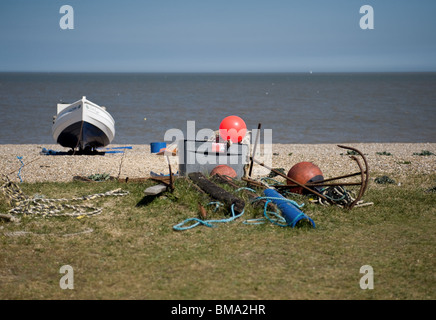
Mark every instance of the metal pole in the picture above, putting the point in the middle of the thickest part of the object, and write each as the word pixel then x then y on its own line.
pixel 254 149
pixel 296 182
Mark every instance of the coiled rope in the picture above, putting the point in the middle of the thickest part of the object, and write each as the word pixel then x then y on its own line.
pixel 338 195
pixel 52 207
pixel 341 197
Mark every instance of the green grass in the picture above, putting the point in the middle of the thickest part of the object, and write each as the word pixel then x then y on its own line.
pixel 134 253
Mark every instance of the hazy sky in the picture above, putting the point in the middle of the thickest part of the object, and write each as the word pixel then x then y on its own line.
pixel 217 36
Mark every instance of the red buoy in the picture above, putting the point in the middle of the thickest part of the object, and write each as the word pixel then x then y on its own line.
pixel 304 172
pixel 232 128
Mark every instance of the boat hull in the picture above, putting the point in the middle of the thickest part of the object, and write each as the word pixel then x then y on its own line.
pixel 91 136
pixel 83 125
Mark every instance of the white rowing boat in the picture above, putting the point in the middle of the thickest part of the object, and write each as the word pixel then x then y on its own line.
pixel 83 125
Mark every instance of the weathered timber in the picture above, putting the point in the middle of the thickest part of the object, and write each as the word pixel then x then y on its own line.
pixel 252 195
pixel 217 192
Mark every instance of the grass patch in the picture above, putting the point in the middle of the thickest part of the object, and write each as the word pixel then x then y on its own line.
pixel 350 153
pixel 133 252
pixel 384 153
pixel 423 153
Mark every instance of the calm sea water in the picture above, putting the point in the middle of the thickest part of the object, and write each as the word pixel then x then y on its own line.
pixel 299 108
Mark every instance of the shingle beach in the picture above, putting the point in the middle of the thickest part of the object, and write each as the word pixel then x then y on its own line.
pixel 396 159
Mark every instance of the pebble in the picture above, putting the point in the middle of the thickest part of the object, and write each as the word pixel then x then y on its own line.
pixel 138 162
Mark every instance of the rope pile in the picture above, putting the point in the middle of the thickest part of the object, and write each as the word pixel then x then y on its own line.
pixel 340 196
pixel 24 205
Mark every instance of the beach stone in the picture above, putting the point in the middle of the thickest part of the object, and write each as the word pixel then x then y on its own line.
pixel 138 161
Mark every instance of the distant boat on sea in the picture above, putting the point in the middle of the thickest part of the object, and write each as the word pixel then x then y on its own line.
pixel 83 125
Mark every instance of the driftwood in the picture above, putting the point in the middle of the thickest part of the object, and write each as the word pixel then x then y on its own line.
pixel 217 192
pixel 252 195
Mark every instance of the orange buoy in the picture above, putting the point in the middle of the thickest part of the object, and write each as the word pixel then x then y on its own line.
pixel 304 172
pixel 224 170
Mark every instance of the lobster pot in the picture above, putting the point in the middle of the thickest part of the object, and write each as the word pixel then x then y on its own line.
pixel 203 156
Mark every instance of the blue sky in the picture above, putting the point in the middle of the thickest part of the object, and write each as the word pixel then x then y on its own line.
pixel 217 36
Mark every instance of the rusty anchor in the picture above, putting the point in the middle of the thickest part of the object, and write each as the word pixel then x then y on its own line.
pixel 330 182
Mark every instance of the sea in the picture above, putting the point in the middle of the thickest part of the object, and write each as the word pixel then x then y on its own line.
pixel 309 108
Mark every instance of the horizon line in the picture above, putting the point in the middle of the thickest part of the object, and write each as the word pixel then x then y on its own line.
pixel 218 72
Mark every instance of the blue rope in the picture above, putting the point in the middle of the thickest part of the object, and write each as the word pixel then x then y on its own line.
pixel 217 205
pixel 245 188
pixel 279 220
pixel 207 223
pixel 278 217
pixel 19 171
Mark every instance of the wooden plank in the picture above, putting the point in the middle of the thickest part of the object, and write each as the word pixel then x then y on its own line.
pixel 217 192
pixel 154 190
pixel 253 195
